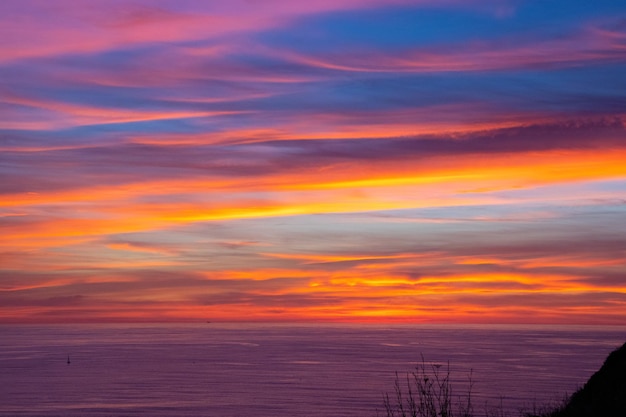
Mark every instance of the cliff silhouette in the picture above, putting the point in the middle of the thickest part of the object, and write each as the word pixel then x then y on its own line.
pixel 427 393
pixel 604 394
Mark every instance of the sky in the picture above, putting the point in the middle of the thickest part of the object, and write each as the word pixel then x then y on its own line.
pixel 423 161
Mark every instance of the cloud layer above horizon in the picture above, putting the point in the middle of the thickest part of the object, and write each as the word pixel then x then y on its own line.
pixel 420 161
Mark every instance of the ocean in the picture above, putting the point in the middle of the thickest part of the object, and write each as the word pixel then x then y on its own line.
pixel 280 370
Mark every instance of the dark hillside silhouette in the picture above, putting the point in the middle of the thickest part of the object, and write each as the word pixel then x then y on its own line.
pixel 604 395
pixel 426 392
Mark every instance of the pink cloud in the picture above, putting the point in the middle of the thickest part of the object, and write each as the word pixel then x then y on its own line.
pixel 591 45
pixel 41 28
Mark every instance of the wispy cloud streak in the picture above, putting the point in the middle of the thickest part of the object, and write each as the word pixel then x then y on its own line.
pixel 331 160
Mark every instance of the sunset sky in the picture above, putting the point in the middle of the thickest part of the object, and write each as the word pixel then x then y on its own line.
pixel 422 161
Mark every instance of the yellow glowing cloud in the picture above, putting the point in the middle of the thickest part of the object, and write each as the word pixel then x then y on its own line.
pixel 343 189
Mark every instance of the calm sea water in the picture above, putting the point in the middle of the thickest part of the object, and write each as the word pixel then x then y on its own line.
pixel 261 370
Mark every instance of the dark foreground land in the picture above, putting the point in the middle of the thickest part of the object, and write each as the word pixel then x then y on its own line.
pixel 427 393
pixel 604 395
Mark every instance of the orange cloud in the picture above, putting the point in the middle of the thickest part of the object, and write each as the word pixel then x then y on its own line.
pixel 343 189
pixel 224 161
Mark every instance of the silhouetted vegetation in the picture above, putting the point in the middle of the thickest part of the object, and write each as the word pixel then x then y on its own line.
pixel 427 392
